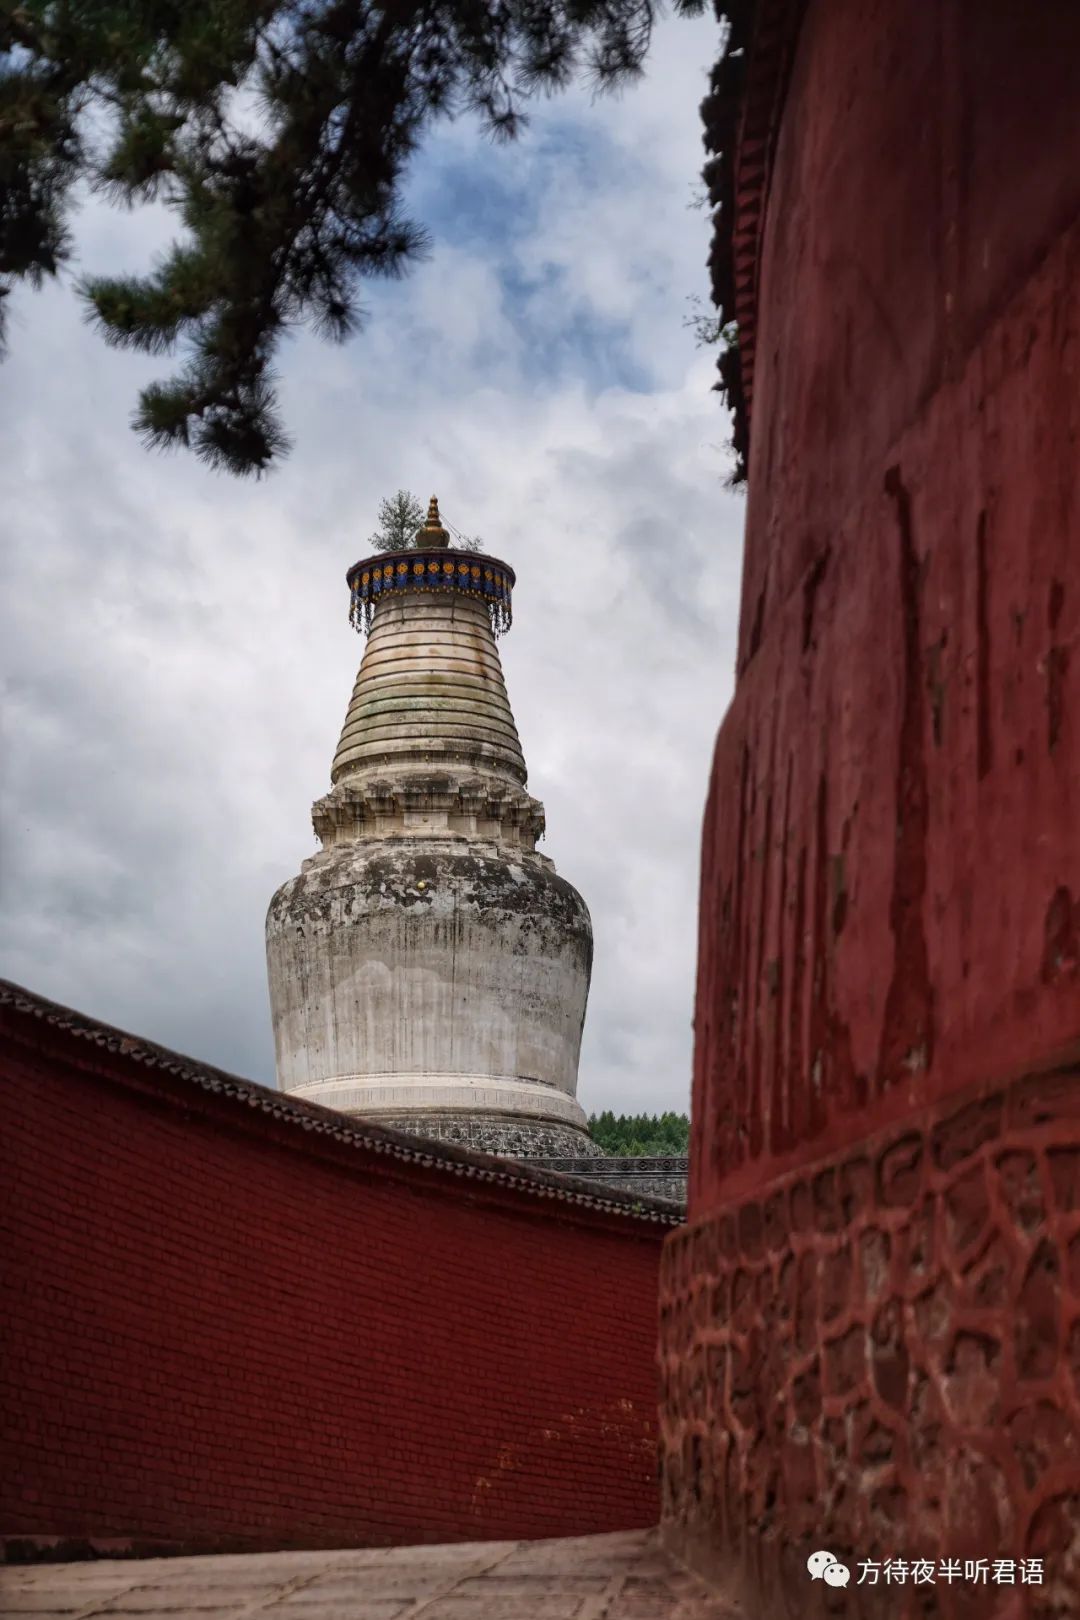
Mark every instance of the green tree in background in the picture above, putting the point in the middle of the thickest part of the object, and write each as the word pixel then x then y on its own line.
pixel 641 1135
pixel 278 132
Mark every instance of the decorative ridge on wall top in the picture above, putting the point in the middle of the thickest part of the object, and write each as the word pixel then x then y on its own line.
pixel 741 115
pixel 452 1160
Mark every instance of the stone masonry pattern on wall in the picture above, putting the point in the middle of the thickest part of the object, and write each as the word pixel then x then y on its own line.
pixel 881 1357
pixel 503 1136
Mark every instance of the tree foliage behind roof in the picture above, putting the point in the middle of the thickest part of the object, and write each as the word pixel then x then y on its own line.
pixel 281 218
pixel 638 1136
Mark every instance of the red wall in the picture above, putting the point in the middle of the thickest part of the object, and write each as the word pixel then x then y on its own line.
pixel 870 1327
pixel 222 1330
pixel 890 898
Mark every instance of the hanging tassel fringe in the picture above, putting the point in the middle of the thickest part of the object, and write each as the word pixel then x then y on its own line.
pixel 464 572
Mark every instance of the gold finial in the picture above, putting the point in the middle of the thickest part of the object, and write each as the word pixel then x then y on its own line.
pixel 433 533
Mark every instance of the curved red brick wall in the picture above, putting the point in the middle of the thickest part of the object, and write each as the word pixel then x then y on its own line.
pixel 224 1329
pixel 871 1326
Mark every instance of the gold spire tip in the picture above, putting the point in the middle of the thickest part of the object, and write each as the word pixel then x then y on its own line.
pixel 433 532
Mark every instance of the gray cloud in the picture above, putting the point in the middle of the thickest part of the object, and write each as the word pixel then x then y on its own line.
pixel 178 653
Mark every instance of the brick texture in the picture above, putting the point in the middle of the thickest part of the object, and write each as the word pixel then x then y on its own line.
pixel 223 1331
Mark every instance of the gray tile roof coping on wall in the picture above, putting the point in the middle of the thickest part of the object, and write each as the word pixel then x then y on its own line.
pixel 438 1156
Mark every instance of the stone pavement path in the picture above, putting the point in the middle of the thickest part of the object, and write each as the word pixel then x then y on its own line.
pixel 619 1577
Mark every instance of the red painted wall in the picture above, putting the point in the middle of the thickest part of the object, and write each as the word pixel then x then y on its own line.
pixel 221 1330
pixel 870 1327
pixel 890 897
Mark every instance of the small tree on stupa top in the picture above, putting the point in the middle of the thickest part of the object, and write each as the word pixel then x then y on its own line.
pixel 400 516
pixel 400 527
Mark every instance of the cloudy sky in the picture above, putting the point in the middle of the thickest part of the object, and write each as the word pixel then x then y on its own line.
pixel 178 655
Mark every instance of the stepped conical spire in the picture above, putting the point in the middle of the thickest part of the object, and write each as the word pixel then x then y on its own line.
pixel 430 692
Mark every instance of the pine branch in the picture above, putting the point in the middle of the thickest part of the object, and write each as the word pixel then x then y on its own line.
pixel 281 225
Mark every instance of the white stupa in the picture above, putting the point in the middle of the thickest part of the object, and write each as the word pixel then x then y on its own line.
pixel 428 968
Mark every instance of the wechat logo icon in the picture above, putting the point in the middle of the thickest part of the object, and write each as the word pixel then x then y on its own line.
pixel 824 1566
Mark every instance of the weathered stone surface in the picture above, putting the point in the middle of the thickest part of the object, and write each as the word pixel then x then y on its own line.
pixel 430 688
pixel 617 1577
pixel 920 1394
pixel 434 976
pixel 551 1147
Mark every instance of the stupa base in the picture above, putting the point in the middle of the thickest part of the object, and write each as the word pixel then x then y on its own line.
pixel 505 1137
